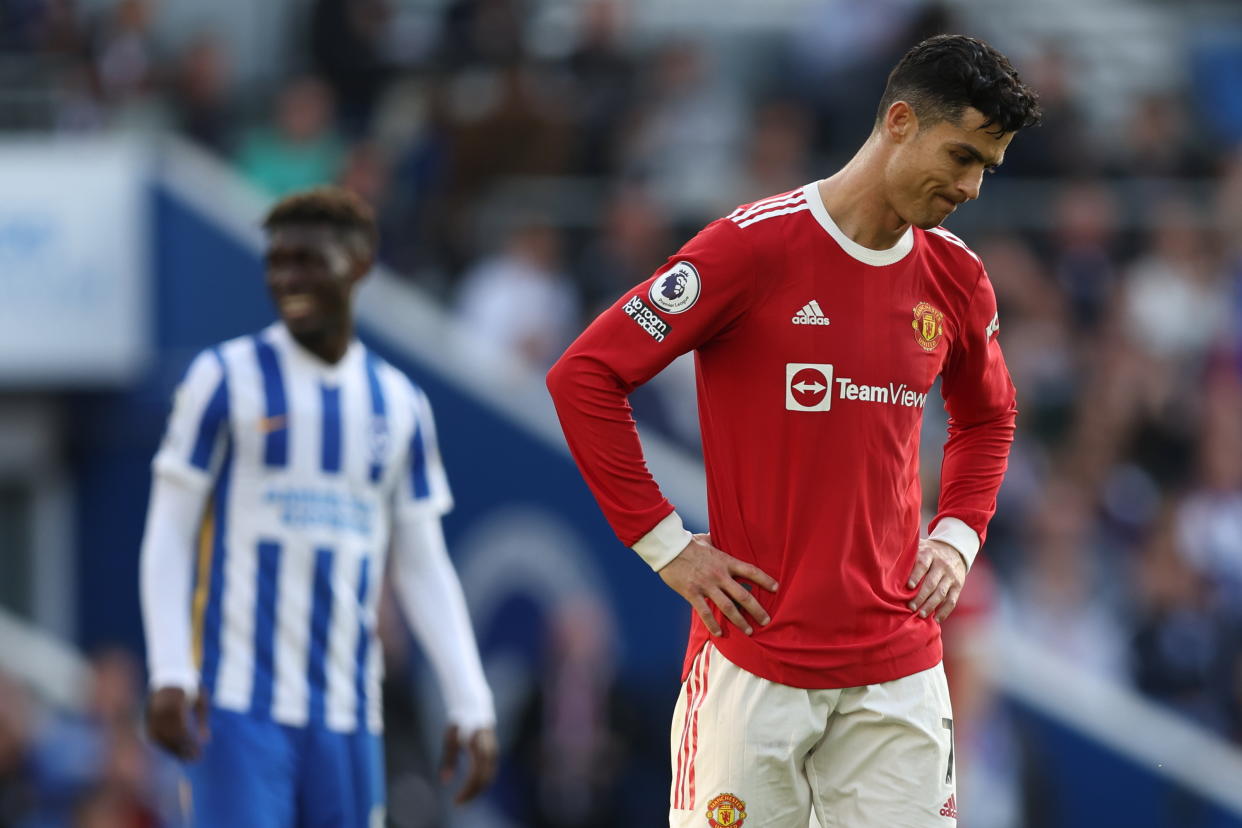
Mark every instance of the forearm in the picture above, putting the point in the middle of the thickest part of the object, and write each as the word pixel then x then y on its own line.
pixel 430 594
pixel 165 578
pixel 591 402
pixel 975 459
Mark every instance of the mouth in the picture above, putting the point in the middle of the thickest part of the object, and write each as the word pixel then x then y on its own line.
pixel 952 205
pixel 296 305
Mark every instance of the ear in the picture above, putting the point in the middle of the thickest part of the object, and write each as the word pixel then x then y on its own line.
pixel 900 122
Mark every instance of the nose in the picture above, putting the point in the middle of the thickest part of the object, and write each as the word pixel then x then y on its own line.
pixel 970 184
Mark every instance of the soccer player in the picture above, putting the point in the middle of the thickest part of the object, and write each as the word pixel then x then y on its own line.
pixel 820 319
pixel 294 460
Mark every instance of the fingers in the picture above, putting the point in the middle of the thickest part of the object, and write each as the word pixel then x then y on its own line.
pixel 722 600
pixel 482 766
pixel 950 603
pixel 448 755
pixel 742 597
pixel 922 563
pixel 753 574
pixel 935 593
pixel 706 616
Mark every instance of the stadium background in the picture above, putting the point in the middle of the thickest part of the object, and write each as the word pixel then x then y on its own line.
pixel 529 161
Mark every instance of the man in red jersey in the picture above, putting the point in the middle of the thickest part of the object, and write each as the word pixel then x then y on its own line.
pixel 820 319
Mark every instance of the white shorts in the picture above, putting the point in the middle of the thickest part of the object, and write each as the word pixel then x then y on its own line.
pixel 751 753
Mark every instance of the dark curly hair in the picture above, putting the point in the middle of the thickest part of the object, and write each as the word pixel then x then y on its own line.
pixel 945 74
pixel 335 207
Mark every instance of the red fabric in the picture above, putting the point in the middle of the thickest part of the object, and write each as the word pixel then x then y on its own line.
pixel 826 502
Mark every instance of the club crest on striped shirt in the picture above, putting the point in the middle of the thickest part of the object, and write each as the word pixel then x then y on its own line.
pixel 676 289
pixel 726 811
pixel 928 326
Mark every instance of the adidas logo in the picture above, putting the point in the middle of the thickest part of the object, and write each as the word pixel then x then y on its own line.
pixel 949 809
pixel 810 315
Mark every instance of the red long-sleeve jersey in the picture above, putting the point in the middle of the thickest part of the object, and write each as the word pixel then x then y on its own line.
pixel 814 358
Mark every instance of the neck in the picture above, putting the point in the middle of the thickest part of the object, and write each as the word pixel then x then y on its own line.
pixel 854 196
pixel 329 345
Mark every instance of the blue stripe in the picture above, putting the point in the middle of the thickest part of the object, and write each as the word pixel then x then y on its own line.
pixel 321 622
pixel 330 455
pixel 265 629
pixel 215 592
pixel 378 418
pixel 276 439
pixel 418 466
pixel 364 643
pixel 214 415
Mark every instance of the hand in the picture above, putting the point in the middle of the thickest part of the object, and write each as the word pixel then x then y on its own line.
pixel 168 722
pixel 701 572
pixel 482 750
pixel 943 572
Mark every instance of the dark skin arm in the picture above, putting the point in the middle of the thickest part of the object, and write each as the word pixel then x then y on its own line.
pixel 177 724
pixel 481 752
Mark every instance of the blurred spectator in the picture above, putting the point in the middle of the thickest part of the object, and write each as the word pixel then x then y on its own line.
pixel 16 723
pixel 92 767
pixel 301 149
pixel 603 74
pixel 519 303
pixel 632 241
pixel 1083 250
pixel 1179 655
pixel 346 48
pixel 126 59
pixel 687 134
pixel 201 94
pixel 1060 599
pixel 1060 146
pixel 1159 141
pixel 573 736
pixel 777 158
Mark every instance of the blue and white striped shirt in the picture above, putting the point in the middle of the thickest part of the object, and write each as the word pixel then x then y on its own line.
pixel 307 466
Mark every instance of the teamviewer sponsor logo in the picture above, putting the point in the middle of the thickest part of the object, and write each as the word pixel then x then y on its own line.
pixel 646 318
pixel 808 386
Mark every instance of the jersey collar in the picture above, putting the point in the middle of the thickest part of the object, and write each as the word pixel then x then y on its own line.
pixel 279 336
pixel 855 250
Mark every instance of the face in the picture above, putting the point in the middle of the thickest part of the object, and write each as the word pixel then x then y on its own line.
pixel 934 168
pixel 310 276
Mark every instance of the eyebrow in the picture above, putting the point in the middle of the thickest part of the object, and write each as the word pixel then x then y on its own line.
pixel 975 154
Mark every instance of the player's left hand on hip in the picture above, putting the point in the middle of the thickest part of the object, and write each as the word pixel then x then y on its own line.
pixel 481 751
pixel 939 572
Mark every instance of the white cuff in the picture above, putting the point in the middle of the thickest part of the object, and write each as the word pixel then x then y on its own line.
pixel 183 681
pixel 961 537
pixel 663 543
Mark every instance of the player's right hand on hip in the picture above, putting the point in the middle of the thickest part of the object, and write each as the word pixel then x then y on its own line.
pixel 701 573
pixel 175 723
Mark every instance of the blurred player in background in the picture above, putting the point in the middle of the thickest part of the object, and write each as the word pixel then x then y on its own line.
pixel 294 460
pixel 820 319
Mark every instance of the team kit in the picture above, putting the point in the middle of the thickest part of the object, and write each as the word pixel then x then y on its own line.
pixel 820 320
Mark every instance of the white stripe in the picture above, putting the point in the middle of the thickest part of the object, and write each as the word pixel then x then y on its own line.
pixel 340 698
pixel 774 213
pixel 375 675
pixel 290 690
pixel 815 307
pixel 236 676
pixel 768 205
pixel 949 237
pixel 760 204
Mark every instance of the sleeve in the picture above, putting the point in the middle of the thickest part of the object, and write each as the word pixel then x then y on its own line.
pixel 184 469
pixel 165 578
pixel 981 402
pixel 422 486
pixel 430 595
pixel 198 424
pixel 696 296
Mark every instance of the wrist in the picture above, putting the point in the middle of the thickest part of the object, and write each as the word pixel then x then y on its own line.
pixel 664 542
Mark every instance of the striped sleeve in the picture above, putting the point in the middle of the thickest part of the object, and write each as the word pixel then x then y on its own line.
pixel 198 424
pixel 422 486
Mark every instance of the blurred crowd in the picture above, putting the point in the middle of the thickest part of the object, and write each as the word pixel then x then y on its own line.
pixel 526 181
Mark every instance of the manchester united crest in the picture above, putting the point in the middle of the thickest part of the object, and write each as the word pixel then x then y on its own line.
pixel 726 811
pixel 928 326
